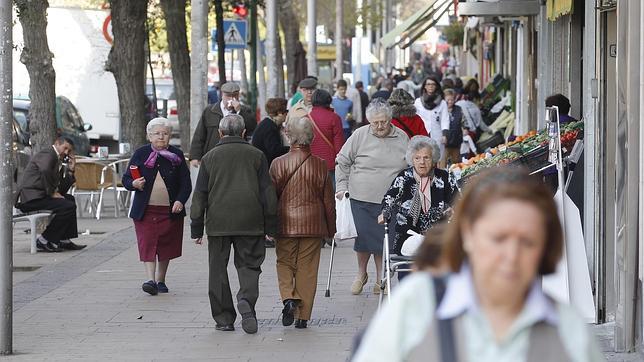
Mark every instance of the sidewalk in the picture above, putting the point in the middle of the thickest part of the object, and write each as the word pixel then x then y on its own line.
pixel 88 305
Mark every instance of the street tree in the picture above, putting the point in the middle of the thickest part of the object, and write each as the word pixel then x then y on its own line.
pixel 126 61
pixel 37 57
pixel 175 19
pixel 221 45
pixel 289 20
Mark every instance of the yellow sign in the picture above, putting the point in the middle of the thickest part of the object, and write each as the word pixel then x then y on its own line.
pixel 325 52
pixel 557 8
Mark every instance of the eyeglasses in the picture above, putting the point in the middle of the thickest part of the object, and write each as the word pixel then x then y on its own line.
pixel 380 124
pixel 159 134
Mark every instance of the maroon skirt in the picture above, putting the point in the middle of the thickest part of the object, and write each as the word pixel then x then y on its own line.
pixel 158 234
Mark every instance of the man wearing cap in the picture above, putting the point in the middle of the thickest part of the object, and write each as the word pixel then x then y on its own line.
pixel 206 135
pixel 303 106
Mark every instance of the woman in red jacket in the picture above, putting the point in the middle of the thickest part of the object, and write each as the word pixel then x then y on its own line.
pixel 404 114
pixel 327 129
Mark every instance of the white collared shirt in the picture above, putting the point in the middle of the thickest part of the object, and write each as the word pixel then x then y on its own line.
pixel 402 324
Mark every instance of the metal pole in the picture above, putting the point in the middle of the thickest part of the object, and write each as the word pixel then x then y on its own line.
pixel 261 82
pixel 252 93
pixel 357 75
pixel 198 61
pixel 312 53
pixel 6 182
pixel 271 49
pixel 339 16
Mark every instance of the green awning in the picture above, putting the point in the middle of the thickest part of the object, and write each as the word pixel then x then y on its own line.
pixel 416 25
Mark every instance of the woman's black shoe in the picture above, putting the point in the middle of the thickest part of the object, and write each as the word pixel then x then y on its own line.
pixel 300 324
pixel 288 313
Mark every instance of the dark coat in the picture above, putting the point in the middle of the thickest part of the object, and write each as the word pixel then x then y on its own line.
pixel 176 178
pixel 400 204
pixel 268 139
pixel 207 132
pixel 42 177
pixel 234 191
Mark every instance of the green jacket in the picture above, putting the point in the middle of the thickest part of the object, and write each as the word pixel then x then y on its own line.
pixel 206 134
pixel 234 192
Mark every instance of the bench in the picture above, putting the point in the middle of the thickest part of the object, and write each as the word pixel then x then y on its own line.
pixel 33 217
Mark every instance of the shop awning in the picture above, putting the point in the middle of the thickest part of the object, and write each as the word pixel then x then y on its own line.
pixel 557 8
pixel 416 25
pixel 499 8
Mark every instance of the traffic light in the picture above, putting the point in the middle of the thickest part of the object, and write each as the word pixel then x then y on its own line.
pixel 240 10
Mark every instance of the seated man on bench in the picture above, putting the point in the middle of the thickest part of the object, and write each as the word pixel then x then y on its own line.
pixel 44 186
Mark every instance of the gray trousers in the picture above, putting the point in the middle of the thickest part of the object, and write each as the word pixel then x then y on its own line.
pixel 249 256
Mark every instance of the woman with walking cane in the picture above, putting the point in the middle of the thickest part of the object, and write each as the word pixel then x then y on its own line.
pixel 307 214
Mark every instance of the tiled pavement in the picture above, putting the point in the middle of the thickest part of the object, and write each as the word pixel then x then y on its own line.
pixel 88 305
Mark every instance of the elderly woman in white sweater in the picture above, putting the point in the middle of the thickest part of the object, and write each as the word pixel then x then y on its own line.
pixel 365 167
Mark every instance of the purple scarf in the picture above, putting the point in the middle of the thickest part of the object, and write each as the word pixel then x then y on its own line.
pixel 172 157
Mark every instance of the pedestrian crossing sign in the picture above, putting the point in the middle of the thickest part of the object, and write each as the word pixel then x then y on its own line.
pixel 235 35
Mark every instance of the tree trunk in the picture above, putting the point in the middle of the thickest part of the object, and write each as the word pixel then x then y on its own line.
pixel 271 49
pixel 279 62
pixel 221 45
pixel 291 28
pixel 175 19
pixel 126 62
pixel 37 57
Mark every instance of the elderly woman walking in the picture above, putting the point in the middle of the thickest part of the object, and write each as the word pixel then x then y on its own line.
pixel 421 194
pixel 404 114
pixel 159 175
pixel 306 214
pixel 368 162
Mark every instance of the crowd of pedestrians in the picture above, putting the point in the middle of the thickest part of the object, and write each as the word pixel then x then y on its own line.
pixel 478 275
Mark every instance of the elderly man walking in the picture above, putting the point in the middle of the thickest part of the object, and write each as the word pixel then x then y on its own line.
pixel 235 192
pixel 206 136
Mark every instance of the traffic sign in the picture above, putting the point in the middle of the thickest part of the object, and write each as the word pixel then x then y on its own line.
pixel 235 35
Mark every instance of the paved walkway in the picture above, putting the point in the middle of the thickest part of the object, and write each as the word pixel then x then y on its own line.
pixel 88 305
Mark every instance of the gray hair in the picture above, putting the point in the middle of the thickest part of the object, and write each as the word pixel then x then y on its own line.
pixel 417 143
pixel 378 107
pixel 300 131
pixel 232 125
pixel 157 122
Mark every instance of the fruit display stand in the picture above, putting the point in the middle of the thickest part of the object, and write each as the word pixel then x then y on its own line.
pixel 555 149
pixel 529 150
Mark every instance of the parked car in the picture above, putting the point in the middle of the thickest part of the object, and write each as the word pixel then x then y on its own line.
pixel 69 123
pixel 21 150
pixel 165 94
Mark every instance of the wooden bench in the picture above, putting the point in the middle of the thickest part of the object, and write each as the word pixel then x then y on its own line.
pixel 33 217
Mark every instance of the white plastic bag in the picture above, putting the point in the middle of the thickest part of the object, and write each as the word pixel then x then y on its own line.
pixel 346 228
pixel 411 245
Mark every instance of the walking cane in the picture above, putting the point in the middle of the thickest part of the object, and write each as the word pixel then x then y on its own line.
pixel 328 282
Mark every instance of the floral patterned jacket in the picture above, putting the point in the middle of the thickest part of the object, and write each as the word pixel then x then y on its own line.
pixel 402 201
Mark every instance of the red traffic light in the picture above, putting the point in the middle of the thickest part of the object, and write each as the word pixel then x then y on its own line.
pixel 240 10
